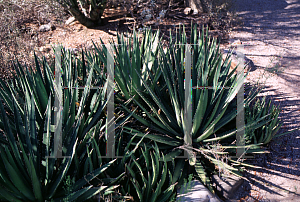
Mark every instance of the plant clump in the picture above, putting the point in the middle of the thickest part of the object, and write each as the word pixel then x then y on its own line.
pixel 163 130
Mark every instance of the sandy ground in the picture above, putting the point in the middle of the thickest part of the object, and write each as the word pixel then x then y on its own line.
pixel 271 38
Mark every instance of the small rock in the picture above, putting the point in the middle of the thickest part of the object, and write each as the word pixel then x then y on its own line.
pixel 46 28
pixel 145 12
pixel 162 14
pixel 195 12
pixel 236 42
pixel 187 11
pixel 79 28
pixel 148 17
pixel 235 60
pixel 45 49
pixel 197 192
pixel 70 20
pixel 73 23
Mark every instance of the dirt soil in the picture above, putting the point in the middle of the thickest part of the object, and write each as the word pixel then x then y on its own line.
pixel 77 36
pixel 271 39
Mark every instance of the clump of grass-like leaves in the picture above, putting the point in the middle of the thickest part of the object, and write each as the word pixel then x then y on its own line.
pixel 152 127
pixel 154 76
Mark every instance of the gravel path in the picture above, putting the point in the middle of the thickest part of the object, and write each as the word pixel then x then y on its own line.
pixel 271 31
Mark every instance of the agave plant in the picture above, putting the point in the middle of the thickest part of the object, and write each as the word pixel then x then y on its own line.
pixel 146 177
pixel 133 58
pixel 149 181
pixel 267 132
pixel 27 140
pixel 42 176
pixel 160 97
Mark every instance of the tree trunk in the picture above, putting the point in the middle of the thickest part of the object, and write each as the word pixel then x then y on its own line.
pixel 87 13
pixel 82 19
pixel 195 5
pixel 199 5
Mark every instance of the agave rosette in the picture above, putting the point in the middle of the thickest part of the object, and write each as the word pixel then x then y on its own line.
pixel 213 108
pixel 27 121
